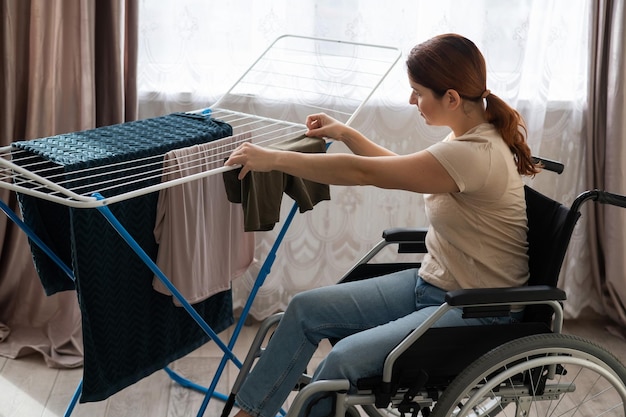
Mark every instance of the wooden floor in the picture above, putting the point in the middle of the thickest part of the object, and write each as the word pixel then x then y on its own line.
pixel 28 388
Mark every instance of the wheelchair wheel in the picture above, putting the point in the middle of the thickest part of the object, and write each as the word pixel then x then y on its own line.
pixel 542 375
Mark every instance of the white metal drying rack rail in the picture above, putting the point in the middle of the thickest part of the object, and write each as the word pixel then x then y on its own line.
pixel 295 76
pixel 33 179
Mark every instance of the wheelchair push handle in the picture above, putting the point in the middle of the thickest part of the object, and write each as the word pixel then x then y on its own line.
pixel 605 197
pixel 549 164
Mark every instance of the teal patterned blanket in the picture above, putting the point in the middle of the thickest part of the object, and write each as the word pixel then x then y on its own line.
pixel 129 330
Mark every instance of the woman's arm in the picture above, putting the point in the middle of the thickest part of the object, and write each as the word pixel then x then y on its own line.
pixel 419 172
pixel 322 125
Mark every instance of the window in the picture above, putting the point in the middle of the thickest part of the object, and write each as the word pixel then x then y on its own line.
pixel 194 50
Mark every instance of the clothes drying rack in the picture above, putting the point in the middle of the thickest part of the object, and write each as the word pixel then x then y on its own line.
pixel 294 77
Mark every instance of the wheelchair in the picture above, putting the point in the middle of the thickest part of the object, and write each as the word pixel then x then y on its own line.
pixel 523 369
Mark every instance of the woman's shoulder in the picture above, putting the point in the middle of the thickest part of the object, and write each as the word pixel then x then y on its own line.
pixel 484 132
pixel 477 140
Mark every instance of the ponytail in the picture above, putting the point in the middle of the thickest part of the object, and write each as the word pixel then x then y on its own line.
pixel 511 127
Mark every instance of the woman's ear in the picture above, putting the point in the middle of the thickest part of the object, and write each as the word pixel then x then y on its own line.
pixel 452 99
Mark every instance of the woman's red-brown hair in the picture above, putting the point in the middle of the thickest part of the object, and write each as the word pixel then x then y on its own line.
pixel 451 61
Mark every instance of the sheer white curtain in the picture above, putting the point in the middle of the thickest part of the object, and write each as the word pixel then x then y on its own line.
pixel 192 51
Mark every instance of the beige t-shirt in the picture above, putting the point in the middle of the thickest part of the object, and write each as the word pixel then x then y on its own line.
pixel 477 237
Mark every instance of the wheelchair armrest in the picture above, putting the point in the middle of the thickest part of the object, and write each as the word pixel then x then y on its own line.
pixel 405 234
pixel 517 295
pixel 409 240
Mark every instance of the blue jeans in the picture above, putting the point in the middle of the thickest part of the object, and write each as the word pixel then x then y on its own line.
pixel 370 316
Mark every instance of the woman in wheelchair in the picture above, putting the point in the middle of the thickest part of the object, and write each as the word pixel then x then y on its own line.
pixel 474 198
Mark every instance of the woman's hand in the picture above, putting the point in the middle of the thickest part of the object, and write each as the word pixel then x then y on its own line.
pixel 323 126
pixel 251 158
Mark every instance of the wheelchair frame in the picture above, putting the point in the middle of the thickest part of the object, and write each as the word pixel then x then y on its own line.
pixel 524 367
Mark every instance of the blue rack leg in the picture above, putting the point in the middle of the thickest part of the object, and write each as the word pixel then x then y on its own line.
pixel 68 271
pixel 74 400
pixel 259 281
pixel 186 383
pixel 132 243
pixel 35 239
pixel 263 273
pixel 210 392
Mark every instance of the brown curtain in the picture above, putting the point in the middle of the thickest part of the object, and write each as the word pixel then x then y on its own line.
pixel 67 65
pixel 606 154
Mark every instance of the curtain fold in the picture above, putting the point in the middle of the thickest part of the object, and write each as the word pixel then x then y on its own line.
pixel 67 66
pixel 115 54
pixel 606 156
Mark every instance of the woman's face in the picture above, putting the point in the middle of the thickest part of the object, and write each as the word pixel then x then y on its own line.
pixel 430 106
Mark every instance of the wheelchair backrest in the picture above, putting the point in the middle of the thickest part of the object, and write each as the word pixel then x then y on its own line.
pixel 550 227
